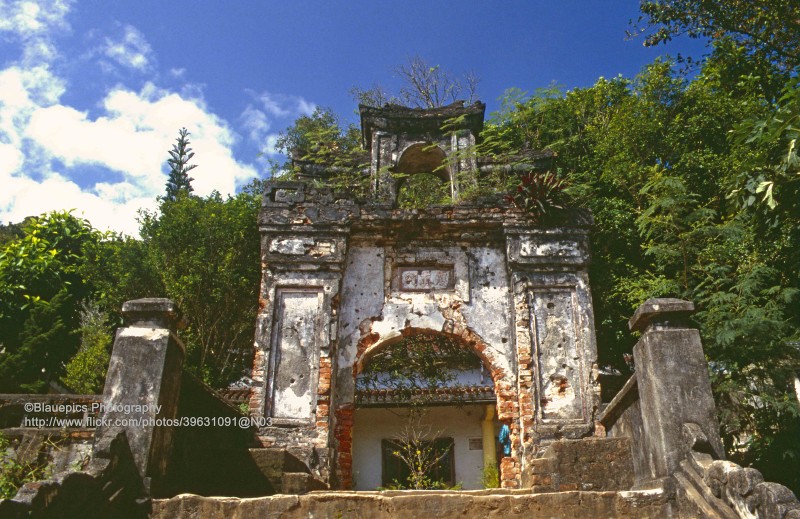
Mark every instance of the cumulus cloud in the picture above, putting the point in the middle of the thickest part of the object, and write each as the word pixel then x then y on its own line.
pixel 131 50
pixel 132 138
pixel 256 122
pixel 51 152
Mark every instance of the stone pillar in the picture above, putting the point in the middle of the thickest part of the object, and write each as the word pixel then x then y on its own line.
pixel 555 333
pixel 487 428
pixel 674 387
pixel 303 249
pixel 143 385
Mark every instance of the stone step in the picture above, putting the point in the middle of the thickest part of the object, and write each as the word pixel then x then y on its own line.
pixel 410 503
pixel 300 483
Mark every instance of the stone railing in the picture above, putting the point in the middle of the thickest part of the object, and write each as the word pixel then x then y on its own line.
pixel 155 432
pixel 667 411
pixel 711 487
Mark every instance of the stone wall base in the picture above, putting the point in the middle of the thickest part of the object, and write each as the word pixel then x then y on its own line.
pixel 439 504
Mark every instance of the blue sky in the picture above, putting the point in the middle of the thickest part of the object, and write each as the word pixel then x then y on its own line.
pixel 92 93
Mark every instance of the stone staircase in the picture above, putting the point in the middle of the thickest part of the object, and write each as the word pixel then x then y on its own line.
pixel 285 473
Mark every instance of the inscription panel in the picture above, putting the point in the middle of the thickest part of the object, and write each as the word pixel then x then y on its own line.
pixel 426 278
pixel 558 358
pixel 530 248
pixel 547 249
pixel 302 246
pixel 287 195
pixel 295 353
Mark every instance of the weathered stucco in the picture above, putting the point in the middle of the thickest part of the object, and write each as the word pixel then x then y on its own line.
pixel 517 294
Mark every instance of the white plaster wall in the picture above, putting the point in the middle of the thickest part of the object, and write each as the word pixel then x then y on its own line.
pixel 371 425
pixel 489 311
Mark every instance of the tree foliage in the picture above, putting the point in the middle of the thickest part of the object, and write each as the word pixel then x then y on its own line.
pixel 85 373
pixel 319 142
pixel 768 29
pixel 40 286
pixel 206 253
pixel 179 167
pixel 677 213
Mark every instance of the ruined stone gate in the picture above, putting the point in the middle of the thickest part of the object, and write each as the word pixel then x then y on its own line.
pixel 343 279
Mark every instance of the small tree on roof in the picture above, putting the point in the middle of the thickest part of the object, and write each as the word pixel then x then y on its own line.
pixel 180 155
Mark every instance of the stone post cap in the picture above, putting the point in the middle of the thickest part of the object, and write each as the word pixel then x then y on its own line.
pixel 662 310
pixel 153 312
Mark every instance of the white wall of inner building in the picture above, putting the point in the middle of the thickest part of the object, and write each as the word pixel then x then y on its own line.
pixel 371 425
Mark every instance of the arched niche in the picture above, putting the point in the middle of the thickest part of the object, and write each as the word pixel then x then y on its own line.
pixel 423 176
pixel 433 389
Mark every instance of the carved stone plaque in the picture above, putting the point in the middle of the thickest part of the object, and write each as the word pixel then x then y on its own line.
pixel 561 248
pixel 287 195
pixel 301 246
pixel 426 278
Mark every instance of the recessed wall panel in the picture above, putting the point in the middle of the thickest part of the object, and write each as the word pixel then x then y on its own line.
pixel 295 353
pixel 558 357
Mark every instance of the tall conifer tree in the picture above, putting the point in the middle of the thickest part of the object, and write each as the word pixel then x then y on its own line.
pixel 180 155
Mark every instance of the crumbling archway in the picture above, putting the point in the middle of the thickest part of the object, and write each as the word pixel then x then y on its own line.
pixel 501 409
pixel 421 401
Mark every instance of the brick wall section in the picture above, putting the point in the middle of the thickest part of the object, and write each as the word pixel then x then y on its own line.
pixel 343 435
pixel 596 464
pixel 524 358
pixel 258 393
pixel 324 398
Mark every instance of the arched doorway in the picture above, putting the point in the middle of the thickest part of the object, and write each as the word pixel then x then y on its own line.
pixel 423 177
pixel 424 415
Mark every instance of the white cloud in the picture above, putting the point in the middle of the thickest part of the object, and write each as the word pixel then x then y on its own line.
pixel 131 137
pixel 33 24
pixel 51 150
pixel 134 135
pixel 10 159
pixel 271 110
pixel 272 104
pixel 60 193
pixel 304 107
pixel 131 50
pixel 46 145
pixel 29 18
pixel 256 122
pixel 272 143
